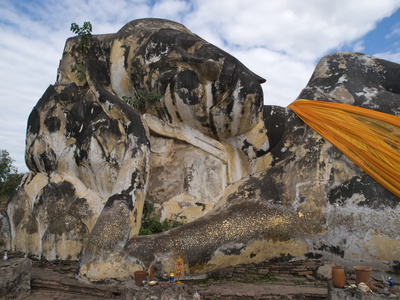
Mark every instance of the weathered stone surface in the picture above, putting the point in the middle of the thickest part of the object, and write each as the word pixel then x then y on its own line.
pixel 185 181
pixel 5 237
pixel 82 159
pixel 253 181
pixel 311 199
pixel 325 271
pixel 15 278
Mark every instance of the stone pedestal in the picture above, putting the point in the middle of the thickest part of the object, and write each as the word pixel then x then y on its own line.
pixel 131 291
pixel 15 278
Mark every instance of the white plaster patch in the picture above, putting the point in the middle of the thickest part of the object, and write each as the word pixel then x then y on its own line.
pixel 108 105
pixel 161 145
pixel 237 141
pixel 355 199
pixel 365 59
pixel 228 247
pixel 265 146
pixel 342 79
pixel 299 185
pixel 209 96
pixel 369 94
pixel 153 58
pixel 236 111
pixel 119 77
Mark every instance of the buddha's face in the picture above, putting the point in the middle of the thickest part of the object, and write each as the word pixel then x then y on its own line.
pixel 202 86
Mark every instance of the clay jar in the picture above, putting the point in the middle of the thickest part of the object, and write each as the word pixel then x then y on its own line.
pixel 338 277
pixel 363 274
pixel 140 276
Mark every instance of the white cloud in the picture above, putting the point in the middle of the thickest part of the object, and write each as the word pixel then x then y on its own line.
pixel 170 9
pixel 285 76
pixel 394 57
pixel 395 31
pixel 281 40
pixel 303 29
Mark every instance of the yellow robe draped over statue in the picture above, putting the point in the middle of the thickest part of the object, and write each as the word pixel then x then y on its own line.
pixel 369 138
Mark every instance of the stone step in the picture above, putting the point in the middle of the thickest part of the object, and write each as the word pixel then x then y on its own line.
pixel 57 281
pixel 249 291
pixel 82 289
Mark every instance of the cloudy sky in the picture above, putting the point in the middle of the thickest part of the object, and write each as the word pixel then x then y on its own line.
pixel 280 40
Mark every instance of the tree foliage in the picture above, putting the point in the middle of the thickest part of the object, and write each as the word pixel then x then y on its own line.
pixel 143 100
pixel 152 225
pixel 9 176
pixel 85 34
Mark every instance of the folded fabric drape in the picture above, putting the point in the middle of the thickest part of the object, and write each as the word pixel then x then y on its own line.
pixel 369 138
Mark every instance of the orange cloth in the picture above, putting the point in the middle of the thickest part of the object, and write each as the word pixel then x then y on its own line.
pixel 369 138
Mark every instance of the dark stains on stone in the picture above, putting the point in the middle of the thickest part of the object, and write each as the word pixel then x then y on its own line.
pixel 187 179
pixel 302 199
pixel 259 186
pixel 376 196
pixel 249 148
pixel 394 266
pixel 390 77
pixel 98 74
pixel 290 133
pixel 201 204
pixel 48 94
pixel 161 43
pixel 126 195
pixel 67 189
pixel 33 122
pixel 136 182
pixel 332 249
pixel 70 94
pixel 127 48
pixel 18 216
pixel 53 124
pixel 31 225
pixel 232 250
pixel 54 203
pixel 80 155
pixel 78 125
pixel 186 84
pixel 80 209
pixel 49 160
pixel 312 255
pixel 283 258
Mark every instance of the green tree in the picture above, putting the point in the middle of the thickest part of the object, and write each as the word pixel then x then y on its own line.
pixel 9 176
pixel 85 34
